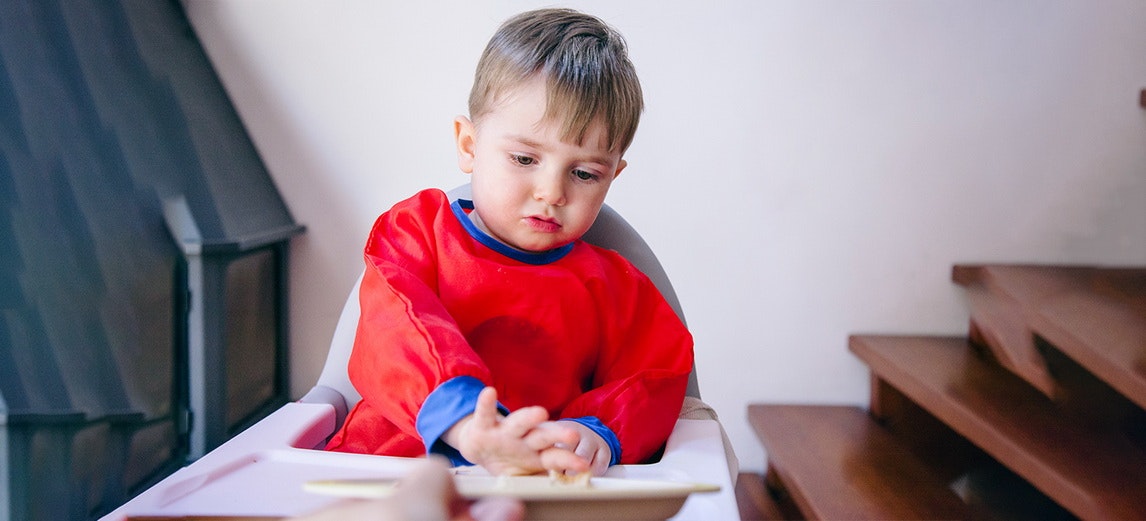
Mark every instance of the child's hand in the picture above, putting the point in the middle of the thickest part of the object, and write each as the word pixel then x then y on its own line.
pixel 591 447
pixel 524 442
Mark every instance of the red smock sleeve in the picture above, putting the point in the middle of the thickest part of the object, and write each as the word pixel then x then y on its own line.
pixel 407 343
pixel 643 366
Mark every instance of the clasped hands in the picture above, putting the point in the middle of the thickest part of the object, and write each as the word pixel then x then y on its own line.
pixel 526 441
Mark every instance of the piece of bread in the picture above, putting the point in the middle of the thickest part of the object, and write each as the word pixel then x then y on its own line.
pixel 575 480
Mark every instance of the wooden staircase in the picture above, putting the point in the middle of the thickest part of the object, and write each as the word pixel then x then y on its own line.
pixel 1039 413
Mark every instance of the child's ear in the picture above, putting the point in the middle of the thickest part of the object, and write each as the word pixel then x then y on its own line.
pixel 464 137
pixel 620 166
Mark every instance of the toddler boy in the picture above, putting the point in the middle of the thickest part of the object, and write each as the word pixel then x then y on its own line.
pixel 490 333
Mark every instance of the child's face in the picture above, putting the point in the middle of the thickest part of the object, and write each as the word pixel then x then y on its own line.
pixel 531 190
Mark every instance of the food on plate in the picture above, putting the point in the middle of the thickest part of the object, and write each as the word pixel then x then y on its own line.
pixel 574 480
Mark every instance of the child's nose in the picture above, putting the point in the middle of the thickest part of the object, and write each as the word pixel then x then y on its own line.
pixel 550 189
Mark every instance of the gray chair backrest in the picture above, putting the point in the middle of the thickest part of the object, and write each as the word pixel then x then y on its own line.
pixel 609 231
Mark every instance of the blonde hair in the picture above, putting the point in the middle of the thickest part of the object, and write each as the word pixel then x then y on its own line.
pixel 585 63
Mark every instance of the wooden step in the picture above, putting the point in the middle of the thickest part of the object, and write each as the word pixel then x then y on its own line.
pixel 1095 316
pixel 1093 472
pixel 835 462
pixel 755 501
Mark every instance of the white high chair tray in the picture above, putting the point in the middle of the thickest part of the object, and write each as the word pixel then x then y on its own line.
pixel 267 483
pixel 263 472
pixel 545 499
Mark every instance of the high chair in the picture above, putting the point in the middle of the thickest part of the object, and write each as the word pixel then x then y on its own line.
pixel 272 460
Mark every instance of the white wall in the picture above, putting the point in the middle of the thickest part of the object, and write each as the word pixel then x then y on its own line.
pixel 805 169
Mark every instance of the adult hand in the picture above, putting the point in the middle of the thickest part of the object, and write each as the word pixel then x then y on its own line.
pixel 427 493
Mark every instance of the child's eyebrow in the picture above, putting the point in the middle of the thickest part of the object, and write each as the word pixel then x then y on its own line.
pixel 532 143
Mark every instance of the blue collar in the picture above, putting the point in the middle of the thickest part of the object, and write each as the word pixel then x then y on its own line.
pixel 536 258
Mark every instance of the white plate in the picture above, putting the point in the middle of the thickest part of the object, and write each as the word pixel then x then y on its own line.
pixel 604 498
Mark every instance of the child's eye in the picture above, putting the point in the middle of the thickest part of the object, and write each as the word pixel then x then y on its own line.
pixel 522 160
pixel 584 176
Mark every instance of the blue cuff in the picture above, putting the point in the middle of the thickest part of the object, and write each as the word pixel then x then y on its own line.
pixel 594 424
pixel 455 399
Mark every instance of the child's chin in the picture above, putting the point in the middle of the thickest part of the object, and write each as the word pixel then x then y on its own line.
pixel 541 247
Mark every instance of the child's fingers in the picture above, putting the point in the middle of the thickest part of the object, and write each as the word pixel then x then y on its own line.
pixel 563 460
pixel 590 446
pixel 597 454
pixel 485 411
pixel 551 434
pixel 522 421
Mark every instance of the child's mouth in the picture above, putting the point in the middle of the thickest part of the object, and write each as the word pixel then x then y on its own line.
pixel 543 224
